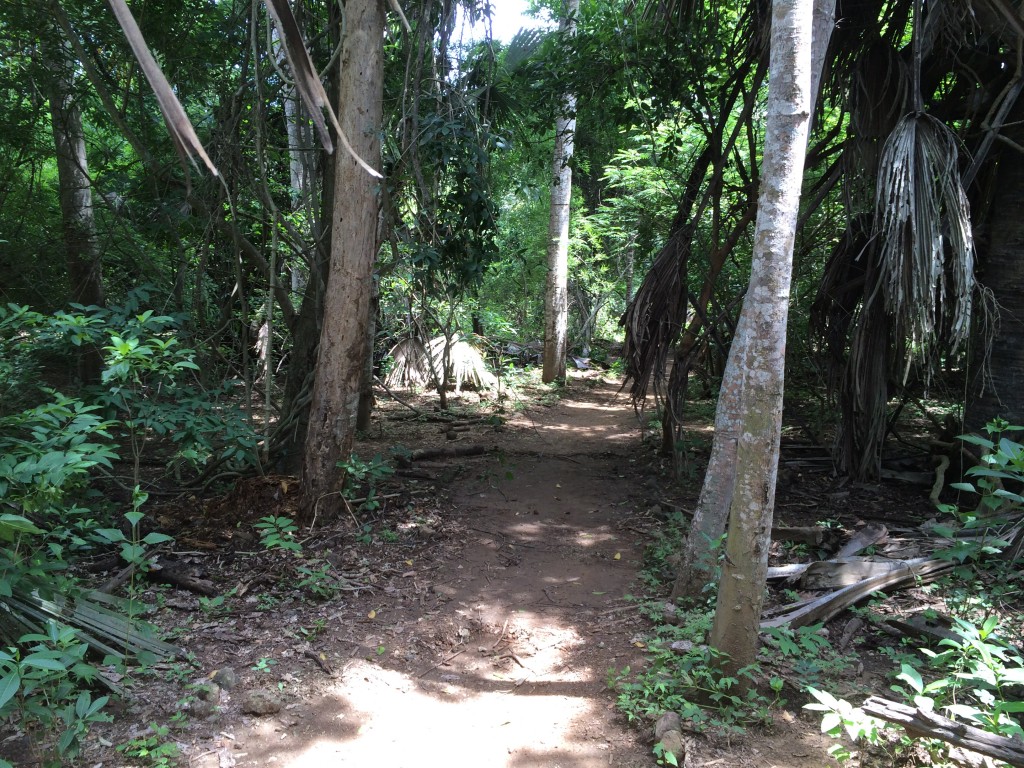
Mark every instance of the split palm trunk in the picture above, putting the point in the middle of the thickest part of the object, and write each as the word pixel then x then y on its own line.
pixel 343 346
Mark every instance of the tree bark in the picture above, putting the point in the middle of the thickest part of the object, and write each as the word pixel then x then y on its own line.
pixel 997 387
pixel 81 247
pixel 755 372
pixel 716 497
pixel 556 294
pixel 343 346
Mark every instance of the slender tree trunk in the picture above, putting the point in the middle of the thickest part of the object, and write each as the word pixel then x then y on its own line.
pixel 365 411
pixel 81 247
pixel 755 372
pixel 555 298
pixel 716 496
pixel 343 346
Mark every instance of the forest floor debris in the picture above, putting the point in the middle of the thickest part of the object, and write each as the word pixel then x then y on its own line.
pixel 471 619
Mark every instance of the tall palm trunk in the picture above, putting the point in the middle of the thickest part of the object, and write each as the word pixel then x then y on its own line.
pixel 81 246
pixel 556 306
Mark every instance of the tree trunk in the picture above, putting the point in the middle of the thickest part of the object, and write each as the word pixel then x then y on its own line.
pixel 343 346
pixel 81 247
pixel 555 297
pixel 365 411
pixel 755 372
pixel 1000 390
pixel 716 496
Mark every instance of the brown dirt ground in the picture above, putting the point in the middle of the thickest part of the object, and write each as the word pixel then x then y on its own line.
pixel 482 611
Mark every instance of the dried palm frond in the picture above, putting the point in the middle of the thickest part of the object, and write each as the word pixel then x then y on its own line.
pixel 921 209
pixel 419 364
pixel 100 621
pixel 655 317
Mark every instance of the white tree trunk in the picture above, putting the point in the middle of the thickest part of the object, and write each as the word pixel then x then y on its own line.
pixel 556 305
pixel 716 496
pixel 755 373
pixel 81 246
pixel 343 346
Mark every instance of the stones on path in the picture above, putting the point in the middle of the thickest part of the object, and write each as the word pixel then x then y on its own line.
pixel 261 703
pixel 668 733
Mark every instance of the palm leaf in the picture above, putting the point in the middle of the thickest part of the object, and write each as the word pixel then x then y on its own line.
pixel 921 211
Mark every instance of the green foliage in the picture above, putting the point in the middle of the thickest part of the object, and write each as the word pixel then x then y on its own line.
pixel 842 717
pixel 47 453
pixel 145 390
pixel 45 682
pixel 132 546
pixel 264 664
pixel 690 683
pixel 978 679
pixel 278 533
pixel 361 479
pixel 810 659
pixel 318 580
pixel 153 749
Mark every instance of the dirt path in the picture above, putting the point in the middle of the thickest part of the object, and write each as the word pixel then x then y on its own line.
pixel 504 664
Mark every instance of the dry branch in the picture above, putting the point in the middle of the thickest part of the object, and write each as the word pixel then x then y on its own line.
pixel 448 452
pixel 823 608
pixel 930 725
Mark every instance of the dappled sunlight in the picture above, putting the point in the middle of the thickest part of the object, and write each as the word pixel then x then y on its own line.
pixel 379 716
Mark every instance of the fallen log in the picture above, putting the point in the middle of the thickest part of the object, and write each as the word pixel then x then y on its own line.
pixel 448 452
pixel 932 726
pixel 823 608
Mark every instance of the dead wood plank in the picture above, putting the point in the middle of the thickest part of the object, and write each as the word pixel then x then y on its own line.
pixel 824 608
pixel 921 627
pixel 869 535
pixel 182 580
pixel 829 574
pixel 933 726
pixel 790 571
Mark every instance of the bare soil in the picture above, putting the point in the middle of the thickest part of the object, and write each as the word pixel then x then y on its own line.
pixel 480 610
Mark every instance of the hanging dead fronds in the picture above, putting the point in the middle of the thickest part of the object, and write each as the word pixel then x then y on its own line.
pixel 655 317
pixel 921 213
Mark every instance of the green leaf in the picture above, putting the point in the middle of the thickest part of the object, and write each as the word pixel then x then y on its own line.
pixel 912 677
pixel 831 722
pixel 156 538
pixel 113 535
pixel 42 661
pixel 10 523
pixel 977 440
pixel 9 685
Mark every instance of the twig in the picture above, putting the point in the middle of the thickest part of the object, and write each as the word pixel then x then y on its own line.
pixel 501 636
pixel 441 663
pixel 397 399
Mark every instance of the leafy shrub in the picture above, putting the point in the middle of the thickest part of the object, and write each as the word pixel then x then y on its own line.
pixel 43 683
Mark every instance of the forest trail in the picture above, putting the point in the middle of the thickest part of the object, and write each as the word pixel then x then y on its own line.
pixel 506 662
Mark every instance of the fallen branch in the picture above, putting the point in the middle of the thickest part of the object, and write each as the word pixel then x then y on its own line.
pixel 820 609
pixel 930 725
pixel 448 452
pixel 397 399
